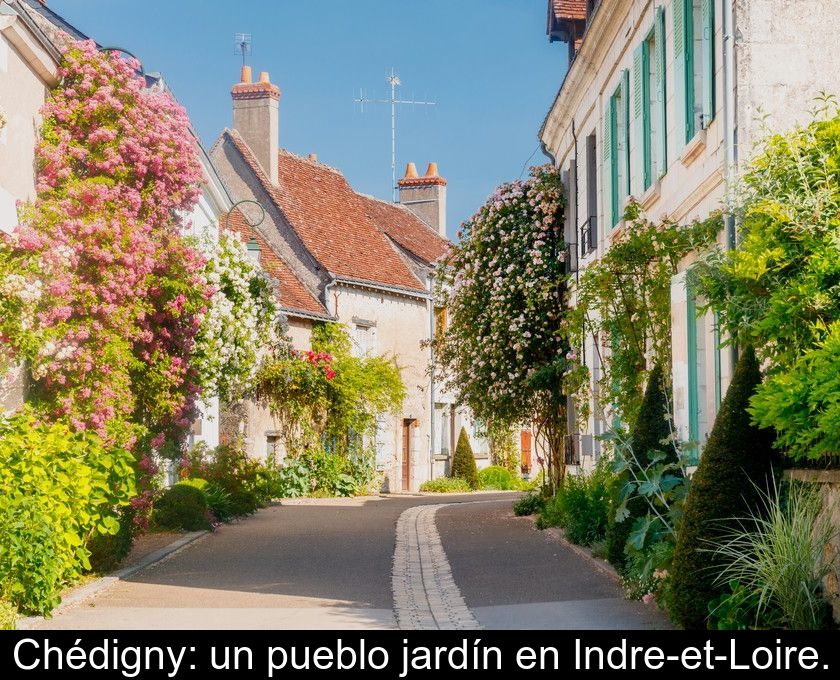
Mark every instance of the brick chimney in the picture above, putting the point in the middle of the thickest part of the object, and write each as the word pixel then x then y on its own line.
pixel 425 196
pixel 256 116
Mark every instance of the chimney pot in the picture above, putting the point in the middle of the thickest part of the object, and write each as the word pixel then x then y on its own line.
pixel 264 77
pixel 432 170
pixel 410 171
pixel 246 74
pixel 313 157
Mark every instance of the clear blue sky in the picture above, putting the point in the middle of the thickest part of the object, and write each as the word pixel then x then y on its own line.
pixel 487 62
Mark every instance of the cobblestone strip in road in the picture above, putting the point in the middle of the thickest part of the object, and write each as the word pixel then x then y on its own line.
pixel 425 594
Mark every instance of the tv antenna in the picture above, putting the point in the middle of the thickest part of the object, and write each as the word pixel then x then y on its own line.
pixel 394 81
pixel 242 45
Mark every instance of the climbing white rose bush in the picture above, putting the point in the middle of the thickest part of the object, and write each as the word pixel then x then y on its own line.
pixel 243 318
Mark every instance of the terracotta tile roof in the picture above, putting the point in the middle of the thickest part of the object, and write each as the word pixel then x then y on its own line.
pixel 569 9
pixel 294 296
pixel 406 229
pixel 330 219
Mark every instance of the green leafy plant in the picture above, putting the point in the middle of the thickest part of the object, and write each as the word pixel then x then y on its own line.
pixel 642 466
pixel 736 463
pixel 108 550
pixel 779 290
pixel 777 551
pixel 293 479
pixel 219 501
pixel 463 462
pixel 182 506
pixel 739 608
pixel 8 615
pixel 530 504
pixel 498 478
pixel 446 485
pixel 59 488
pixel 581 505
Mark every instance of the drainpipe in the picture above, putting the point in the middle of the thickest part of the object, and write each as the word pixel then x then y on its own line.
pixel 328 303
pixel 431 378
pixel 729 123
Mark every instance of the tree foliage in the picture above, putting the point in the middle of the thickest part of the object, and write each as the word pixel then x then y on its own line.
pixel 463 462
pixel 779 290
pixel 505 284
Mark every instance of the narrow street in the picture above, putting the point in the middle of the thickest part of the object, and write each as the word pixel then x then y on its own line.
pixel 413 562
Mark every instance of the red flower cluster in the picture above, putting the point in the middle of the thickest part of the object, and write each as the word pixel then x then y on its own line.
pixel 322 360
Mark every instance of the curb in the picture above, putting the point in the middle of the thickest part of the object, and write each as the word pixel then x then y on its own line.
pixel 88 590
pixel 604 567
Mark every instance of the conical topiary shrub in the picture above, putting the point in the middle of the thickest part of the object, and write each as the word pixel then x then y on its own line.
pixel 738 457
pixel 463 462
pixel 646 436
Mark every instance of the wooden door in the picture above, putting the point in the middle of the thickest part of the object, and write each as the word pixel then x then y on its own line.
pixel 525 449
pixel 406 456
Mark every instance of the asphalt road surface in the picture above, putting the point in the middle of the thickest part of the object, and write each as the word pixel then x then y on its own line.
pixel 327 563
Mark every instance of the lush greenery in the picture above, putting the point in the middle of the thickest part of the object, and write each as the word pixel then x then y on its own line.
pixel 182 507
pixel 463 462
pixel 779 290
pixel 504 351
pixel 651 442
pixel 623 303
pixel 446 485
pixel 242 318
pixel 498 478
pixel 773 558
pixel 736 464
pixel 328 397
pixel 531 504
pixel 8 615
pixel 581 505
pixel 503 449
pixel 59 488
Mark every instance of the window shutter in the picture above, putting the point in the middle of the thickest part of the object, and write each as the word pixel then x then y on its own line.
pixel 625 100
pixel 661 100
pixel 640 173
pixel 707 10
pixel 607 142
pixel 680 82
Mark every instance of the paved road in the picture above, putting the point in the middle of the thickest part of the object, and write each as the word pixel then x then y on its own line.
pixel 462 561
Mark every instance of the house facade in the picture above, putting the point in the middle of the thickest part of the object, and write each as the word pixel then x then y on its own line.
pixel 342 257
pixel 662 101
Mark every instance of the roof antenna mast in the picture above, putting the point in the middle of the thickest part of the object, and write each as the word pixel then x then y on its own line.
pixel 394 81
pixel 242 45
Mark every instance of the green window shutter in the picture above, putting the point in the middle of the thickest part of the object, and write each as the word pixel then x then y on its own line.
pixel 691 332
pixel 625 99
pixel 707 9
pixel 640 173
pixel 607 144
pixel 614 160
pixel 661 99
pixel 680 74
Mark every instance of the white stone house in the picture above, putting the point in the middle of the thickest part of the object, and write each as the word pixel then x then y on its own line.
pixel 348 258
pixel 662 102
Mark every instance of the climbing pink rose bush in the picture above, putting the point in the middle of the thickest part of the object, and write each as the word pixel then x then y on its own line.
pixel 98 290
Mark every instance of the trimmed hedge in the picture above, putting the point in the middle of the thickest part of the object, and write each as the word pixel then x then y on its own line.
pixel 463 462
pixel 498 478
pixel 737 459
pixel 446 485
pixel 182 506
pixel 647 433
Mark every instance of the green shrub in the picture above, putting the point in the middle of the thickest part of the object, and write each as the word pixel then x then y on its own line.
pixel 108 550
pixel 778 556
pixel 740 608
pixel 247 482
pixel 181 506
pixel 498 478
pixel 463 462
pixel 58 488
pixel 581 505
pixel 446 485
pixel 648 432
pixel 292 479
pixel 736 463
pixel 8 615
pixel 218 500
pixel 529 505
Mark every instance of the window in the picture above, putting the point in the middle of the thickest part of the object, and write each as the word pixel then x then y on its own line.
pixel 617 151
pixel 364 337
pixel 694 67
pixel 649 107
pixel 272 447
pixel 445 430
pixel 589 228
